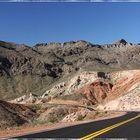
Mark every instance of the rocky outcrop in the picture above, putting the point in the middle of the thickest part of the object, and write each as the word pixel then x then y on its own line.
pixel 88 88
pixel 76 116
pixel 57 113
pixel 125 93
pixel 97 91
pixel 72 83
pixel 121 41
pixel 28 99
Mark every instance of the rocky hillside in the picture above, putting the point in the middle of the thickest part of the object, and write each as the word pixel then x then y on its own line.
pixel 84 95
pixel 117 90
pixel 14 114
pixel 25 69
pixel 125 94
pixel 91 88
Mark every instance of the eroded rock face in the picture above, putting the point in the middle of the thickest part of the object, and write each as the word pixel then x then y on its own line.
pixel 71 84
pixel 124 95
pixel 27 99
pixel 97 91
pixel 89 88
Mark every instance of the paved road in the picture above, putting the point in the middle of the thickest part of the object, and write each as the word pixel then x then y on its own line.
pixel 129 129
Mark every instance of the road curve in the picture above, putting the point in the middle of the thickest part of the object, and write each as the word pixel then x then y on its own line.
pixel 127 126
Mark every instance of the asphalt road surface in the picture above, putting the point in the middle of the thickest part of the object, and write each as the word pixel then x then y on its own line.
pixel 127 126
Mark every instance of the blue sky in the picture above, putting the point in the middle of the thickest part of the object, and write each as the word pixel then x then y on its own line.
pixel 101 23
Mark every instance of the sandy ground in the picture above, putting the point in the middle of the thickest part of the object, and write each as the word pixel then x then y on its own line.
pixel 46 127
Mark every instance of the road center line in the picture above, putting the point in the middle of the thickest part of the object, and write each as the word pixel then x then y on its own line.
pixel 97 133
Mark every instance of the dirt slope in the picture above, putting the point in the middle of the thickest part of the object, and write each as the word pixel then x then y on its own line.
pixel 14 114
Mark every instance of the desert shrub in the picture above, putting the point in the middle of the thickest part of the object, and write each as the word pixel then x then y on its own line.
pixel 75 97
pixel 80 118
pixel 90 115
pixel 53 119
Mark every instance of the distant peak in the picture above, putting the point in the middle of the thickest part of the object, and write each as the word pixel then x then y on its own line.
pixel 40 44
pixel 121 41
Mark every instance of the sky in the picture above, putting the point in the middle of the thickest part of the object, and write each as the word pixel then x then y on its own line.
pixel 98 23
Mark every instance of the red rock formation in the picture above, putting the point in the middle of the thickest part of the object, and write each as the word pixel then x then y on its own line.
pixel 102 91
pixel 122 86
pixel 96 92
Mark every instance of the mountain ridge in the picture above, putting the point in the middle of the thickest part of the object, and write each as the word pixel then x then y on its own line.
pixel 23 67
pixel 119 41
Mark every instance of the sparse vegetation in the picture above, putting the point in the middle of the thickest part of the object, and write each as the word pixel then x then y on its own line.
pixel 52 119
pixel 80 117
pixel 75 96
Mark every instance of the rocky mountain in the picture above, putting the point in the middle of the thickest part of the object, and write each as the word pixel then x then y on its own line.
pixel 25 69
pixel 66 82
